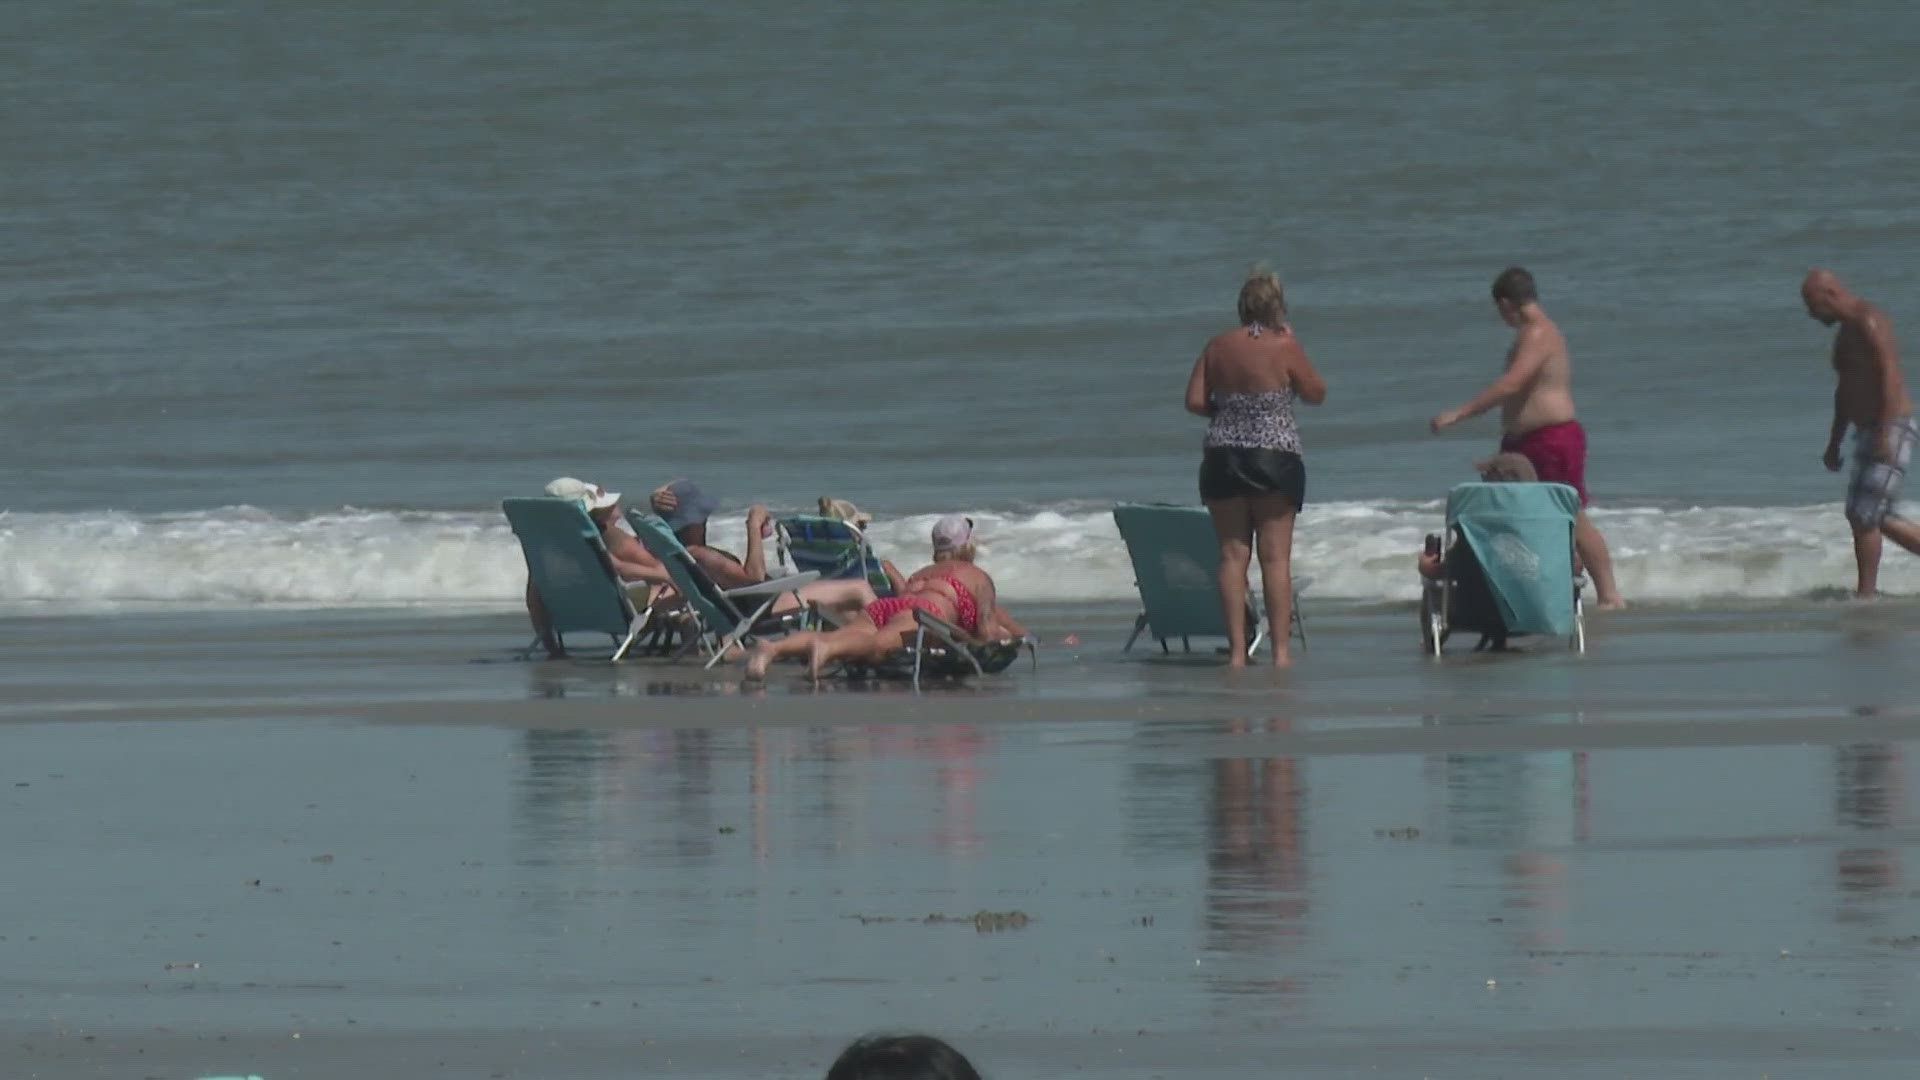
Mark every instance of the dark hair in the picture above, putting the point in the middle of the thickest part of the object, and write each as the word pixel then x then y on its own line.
pixel 901 1057
pixel 1516 286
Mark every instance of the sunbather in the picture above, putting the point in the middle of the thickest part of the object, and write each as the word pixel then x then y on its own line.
pixel 632 562
pixel 685 508
pixel 951 588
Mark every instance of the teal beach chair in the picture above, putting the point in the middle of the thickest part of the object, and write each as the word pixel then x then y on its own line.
pixel 1176 566
pixel 837 550
pixel 1509 567
pixel 723 617
pixel 569 565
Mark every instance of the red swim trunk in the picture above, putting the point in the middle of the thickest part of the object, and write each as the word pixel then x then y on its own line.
pixel 1558 453
pixel 885 609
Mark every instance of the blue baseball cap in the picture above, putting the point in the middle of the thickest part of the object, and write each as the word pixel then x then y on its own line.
pixel 692 505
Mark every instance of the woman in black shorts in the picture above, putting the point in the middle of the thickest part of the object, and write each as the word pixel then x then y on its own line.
pixel 1251 476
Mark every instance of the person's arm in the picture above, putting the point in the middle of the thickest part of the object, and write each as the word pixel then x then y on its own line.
pixel 1529 356
pixel 1839 432
pixel 725 572
pixel 1009 627
pixel 633 562
pixel 1308 386
pixel 894 577
pixel 1197 402
pixel 755 563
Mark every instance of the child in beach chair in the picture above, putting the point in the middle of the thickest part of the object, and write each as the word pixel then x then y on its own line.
pixel 833 543
pixel 1506 566
pixel 1176 561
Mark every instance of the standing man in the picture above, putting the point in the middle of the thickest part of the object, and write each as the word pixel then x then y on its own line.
pixel 1535 396
pixel 1870 395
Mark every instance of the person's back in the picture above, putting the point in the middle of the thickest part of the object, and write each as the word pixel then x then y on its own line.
pixel 1251 388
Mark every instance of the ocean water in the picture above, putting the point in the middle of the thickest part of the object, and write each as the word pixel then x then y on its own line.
pixel 297 294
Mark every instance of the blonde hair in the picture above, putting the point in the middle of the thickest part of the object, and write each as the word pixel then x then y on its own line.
pixel 965 552
pixel 1262 299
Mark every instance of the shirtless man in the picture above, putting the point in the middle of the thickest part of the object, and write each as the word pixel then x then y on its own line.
pixel 1871 396
pixel 1535 396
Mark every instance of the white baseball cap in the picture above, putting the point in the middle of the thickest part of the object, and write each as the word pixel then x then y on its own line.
pixel 952 532
pixel 593 496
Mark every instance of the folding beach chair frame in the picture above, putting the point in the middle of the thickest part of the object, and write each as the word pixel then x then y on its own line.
pixel 1436 601
pixel 637 619
pixel 1256 618
pixel 959 642
pixel 702 591
pixel 869 562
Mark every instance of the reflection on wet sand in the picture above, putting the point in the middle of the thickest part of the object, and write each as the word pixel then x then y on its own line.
pixel 1530 809
pixel 651 796
pixel 1257 895
pixel 1866 799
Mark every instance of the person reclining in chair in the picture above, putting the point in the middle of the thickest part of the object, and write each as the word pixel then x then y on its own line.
pixel 631 562
pixel 686 509
pixel 951 588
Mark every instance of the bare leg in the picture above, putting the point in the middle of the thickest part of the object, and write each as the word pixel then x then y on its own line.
pixel 1592 549
pixel 543 624
pixel 855 642
pixel 1902 532
pixel 791 645
pixel 1233 525
pixel 1273 524
pixel 1866 554
pixel 838 596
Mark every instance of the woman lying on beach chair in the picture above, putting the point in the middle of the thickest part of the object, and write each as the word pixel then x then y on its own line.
pixel 951 589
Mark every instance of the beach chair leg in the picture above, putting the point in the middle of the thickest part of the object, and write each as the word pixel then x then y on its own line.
pixel 1186 644
pixel 1579 626
pixel 1299 623
pixel 633 635
pixel 1259 636
pixel 919 652
pixel 1139 625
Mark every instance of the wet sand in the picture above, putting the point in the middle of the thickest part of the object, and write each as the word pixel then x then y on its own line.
pixel 1684 855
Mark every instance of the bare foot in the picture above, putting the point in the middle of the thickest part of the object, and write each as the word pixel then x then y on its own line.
pixel 1282 658
pixel 757 666
pixel 1236 659
pixel 1611 603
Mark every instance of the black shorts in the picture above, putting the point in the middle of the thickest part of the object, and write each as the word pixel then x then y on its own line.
pixel 1239 472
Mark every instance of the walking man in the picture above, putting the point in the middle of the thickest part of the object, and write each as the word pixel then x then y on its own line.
pixel 1869 395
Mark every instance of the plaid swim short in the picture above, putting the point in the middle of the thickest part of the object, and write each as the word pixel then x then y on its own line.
pixel 1876 484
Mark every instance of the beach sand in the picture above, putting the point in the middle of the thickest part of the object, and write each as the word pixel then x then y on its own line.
pixel 324 845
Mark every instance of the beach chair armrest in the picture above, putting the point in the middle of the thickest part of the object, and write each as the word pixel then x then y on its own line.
pixel 775 586
pixel 954 636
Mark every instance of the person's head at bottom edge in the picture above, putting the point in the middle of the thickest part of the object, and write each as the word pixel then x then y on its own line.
pixel 901 1057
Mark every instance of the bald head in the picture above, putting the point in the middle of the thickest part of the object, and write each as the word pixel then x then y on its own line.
pixel 1827 300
